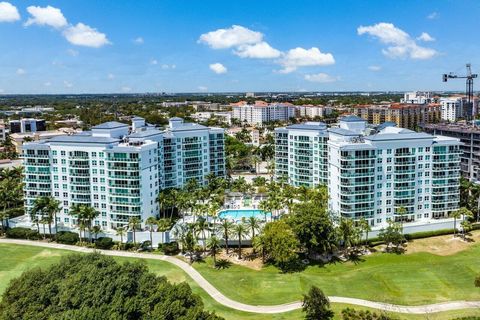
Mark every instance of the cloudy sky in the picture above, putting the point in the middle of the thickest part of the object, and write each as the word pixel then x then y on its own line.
pixel 91 46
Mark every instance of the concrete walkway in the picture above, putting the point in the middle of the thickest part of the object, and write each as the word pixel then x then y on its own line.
pixel 220 298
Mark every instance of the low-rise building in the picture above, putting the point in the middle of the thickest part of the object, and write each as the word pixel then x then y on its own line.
pixel 311 111
pixel 27 125
pixel 418 97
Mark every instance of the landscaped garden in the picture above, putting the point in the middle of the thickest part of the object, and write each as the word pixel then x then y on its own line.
pixel 415 278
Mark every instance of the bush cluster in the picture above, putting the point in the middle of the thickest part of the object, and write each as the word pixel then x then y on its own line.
pixel 22 233
pixel 170 249
pixel 104 243
pixel 67 237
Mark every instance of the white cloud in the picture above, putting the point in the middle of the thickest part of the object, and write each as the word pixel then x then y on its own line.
pixel 154 62
pixel 425 37
pixel 21 71
pixel 320 77
pixel 232 37
pixel 138 40
pixel 374 68
pixel 47 84
pixel 202 88
pixel 72 52
pixel 401 45
pixel 8 12
pixel 261 50
pixel 83 35
pixel 218 68
pixel 111 76
pixel 67 84
pixel 300 57
pixel 126 89
pixel 432 15
pixel 46 16
pixel 168 66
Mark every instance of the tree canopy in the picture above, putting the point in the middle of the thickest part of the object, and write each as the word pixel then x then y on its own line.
pixel 97 287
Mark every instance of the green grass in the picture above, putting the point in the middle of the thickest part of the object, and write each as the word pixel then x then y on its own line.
pixel 413 279
pixel 378 273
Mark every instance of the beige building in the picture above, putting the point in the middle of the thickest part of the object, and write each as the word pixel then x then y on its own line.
pixel 19 138
pixel 404 115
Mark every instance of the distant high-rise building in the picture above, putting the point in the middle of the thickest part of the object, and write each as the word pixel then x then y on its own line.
pixel 417 97
pixel 262 112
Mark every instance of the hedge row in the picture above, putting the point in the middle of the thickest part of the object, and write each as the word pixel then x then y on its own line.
pixel 23 233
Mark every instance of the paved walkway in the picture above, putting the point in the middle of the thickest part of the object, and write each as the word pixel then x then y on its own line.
pixel 220 298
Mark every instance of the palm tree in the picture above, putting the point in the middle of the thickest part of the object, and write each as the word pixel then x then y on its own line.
pixel 77 211
pixel 53 206
pixel 96 230
pixel 120 231
pixel 213 211
pixel 253 224
pixel 200 227
pixel 346 232
pixel 179 232
pixel 151 222
pixel 259 245
pixel 89 214
pixel 365 226
pixel 264 205
pixel 37 211
pixel 213 245
pixel 241 231
pixel 133 222
pixel 457 214
pixel 226 228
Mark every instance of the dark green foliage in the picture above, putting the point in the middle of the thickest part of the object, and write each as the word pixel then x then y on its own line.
pixel 97 287
pixel 169 249
pixel 67 237
pixel 23 233
pixel 477 281
pixel 316 305
pixel 352 314
pixel 104 243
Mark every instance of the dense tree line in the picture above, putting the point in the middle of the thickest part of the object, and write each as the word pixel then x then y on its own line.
pixel 92 287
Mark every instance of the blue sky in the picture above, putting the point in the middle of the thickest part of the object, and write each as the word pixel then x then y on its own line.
pixel 108 46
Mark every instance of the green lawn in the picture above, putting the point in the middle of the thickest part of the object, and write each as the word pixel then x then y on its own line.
pixel 411 279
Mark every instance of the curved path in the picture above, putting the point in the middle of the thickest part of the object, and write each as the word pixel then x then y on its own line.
pixel 220 298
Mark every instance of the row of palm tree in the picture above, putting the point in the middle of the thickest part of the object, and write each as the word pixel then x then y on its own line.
pixel 44 211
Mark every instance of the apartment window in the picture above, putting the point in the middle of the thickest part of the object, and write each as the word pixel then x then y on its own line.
pixel 94 154
pixel 379 186
pixel 389 193
pixel 54 152
pixel 379 160
pixel 62 153
pixel 379 220
pixel 379 202
pixel 379 211
pixel 64 161
pixel 389 210
pixel 379 194
pixel 389 151
pixel 54 161
pixel 389 184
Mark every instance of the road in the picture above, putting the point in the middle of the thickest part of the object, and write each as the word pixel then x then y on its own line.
pixel 220 298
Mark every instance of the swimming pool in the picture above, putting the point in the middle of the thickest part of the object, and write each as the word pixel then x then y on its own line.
pixel 239 214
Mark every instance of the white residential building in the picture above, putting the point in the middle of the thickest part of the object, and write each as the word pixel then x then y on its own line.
pixel 262 112
pixel 311 111
pixel 451 108
pixel 3 131
pixel 417 97
pixel 371 174
pixel 119 171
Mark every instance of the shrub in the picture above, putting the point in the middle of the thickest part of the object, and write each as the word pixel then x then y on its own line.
pixel 352 314
pixel 67 237
pixel 22 233
pixel 104 243
pixel 170 249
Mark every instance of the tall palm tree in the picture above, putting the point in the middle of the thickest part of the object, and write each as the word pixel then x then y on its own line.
pixel 241 231
pixel 213 208
pixel 226 228
pixel 37 211
pixel 201 226
pixel 457 214
pixel 253 224
pixel 134 222
pixel 213 245
pixel 366 228
pixel 53 206
pixel 151 222
pixel 120 231
pixel 259 245
pixel 89 214
pixel 77 211
pixel 264 205
pixel 96 230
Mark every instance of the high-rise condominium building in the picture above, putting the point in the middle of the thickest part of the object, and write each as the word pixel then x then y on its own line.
pixel 452 108
pixel 373 174
pixel 405 115
pixel 119 171
pixel 469 135
pixel 262 112
pixel 417 97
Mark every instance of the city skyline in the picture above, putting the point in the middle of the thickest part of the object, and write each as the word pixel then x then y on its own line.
pixel 55 47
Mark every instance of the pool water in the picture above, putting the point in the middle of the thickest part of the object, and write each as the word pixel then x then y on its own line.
pixel 239 214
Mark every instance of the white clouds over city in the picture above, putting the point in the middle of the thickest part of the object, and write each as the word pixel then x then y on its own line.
pixel 320 78
pixel 8 12
pixel 400 44
pixel 218 68
pixel 248 43
pixel 425 37
pixel 78 34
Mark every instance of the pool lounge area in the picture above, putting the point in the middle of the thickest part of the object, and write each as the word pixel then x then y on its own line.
pixel 239 214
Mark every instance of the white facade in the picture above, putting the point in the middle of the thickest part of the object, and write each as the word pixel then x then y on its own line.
pixel 261 112
pixel 120 172
pixel 310 111
pixel 372 176
pixel 452 108
pixel 3 131
pixel 417 97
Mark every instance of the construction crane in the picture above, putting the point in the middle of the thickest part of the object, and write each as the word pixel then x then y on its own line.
pixel 468 112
